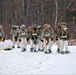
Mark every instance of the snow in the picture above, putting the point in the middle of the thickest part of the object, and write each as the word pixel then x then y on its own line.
pixel 17 62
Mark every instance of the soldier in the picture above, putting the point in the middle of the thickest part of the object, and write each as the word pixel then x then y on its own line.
pixel 57 37
pixel 30 29
pixel 1 33
pixel 48 38
pixel 34 39
pixel 40 40
pixel 18 37
pixel 15 32
pixel 29 32
pixel 64 37
pixel 23 38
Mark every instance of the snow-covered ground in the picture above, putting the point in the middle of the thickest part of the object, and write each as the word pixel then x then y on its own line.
pixel 17 62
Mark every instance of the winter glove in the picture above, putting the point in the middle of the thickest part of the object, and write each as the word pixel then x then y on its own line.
pixel 41 40
pixel 51 39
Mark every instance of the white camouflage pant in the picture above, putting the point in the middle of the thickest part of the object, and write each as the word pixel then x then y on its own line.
pixel 32 45
pixel 49 45
pixel 23 43
pixel 40 44
pixel 63 43
pixel 16 42
pixel 58 43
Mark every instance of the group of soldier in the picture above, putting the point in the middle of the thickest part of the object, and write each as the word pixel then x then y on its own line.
pixel 40 38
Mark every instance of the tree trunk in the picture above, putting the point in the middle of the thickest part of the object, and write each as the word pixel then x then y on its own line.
pixel 56 18
pixel 42 8
pixel 23 19
pixel 27 11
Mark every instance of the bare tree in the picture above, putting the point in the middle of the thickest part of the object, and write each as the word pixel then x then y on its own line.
pixel 56 3
pixel 66 9
pixel 28 3
pixel 42 8
pixel 23 11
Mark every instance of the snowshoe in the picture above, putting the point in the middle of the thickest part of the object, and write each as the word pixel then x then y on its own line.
pixel 58 50
pixel 62 52
pixel 18 47
pixel 31 49
pixel 23 50
pixel 67 52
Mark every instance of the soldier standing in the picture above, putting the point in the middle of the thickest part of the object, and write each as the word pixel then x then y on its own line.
pixel 47 40
pixel 57 37
pixel 15 32
pixel 34 40
pixel 23 37
pixel 18 37
pixel 64 37
pixel 1 33
pixel 40 39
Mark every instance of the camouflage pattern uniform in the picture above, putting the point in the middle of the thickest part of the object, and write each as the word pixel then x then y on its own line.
pixel 48 38
pixel 18 37
pixel 40 39
pixel 34 39
pixel 64 36
pixel 15 32
pixel 1 33
pixel 57 37
pixel 23 38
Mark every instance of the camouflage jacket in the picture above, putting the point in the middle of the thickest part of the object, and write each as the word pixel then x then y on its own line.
pixel 1 33
pixel 23 33
pixel 34 33
pixel 65 35
pixel 13 32
pixel 48 33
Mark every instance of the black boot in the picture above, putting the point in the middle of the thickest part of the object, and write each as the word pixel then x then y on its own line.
pixel 50 51
pixel 58 50
pixel 39 50
pixel 23 50
pixel 31 49
pixel 67 52
pixel 35 51
pixel 46 52
pixel 42 50
pixel 13 47
pixel 18 47
pixel 62 52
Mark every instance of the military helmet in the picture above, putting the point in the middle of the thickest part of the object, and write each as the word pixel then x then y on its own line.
pixel 46 26
pixel 63 23
pixel 0 26
pixel 23 26
pixel 34 26
pixel 30 27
